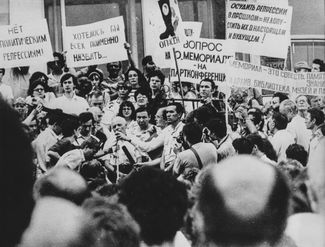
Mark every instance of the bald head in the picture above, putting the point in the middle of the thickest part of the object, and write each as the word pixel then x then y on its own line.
pixel 62 182
pixel 58 222
pixel 243 200
pixel 119 124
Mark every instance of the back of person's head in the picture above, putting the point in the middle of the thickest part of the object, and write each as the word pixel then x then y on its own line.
pixel 280 120
pixel 64 183
pixel 69 126
pixel 291 168
pixel 91 142
pixel 92 170
pixel 55 117
pixel 157 73
pixel 297 152
pixel 192 132
pixel 114 224
pixel 203 114
pixel 16 176
pixel 38 75
pixel 58 222
pixel 317 115
pixel 242 202
pixel 218 127
pixel 157 201
pixel 144 91
pixel 243 145
pixel 84 117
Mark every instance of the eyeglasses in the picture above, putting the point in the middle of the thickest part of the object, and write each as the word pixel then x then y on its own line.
pixel 38 90
pixel 95 78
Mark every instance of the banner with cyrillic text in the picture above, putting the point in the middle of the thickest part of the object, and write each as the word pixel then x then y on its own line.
pixel 25 44
pixel 261 28
pixel 163 30
pixel 242 74
pixel 202 58
pixel 95 43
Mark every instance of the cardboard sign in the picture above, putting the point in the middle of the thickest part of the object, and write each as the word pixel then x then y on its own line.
pixel 163 30
pixel 202 58
pixel 242 74
pixel 192 29
pixel 95 43
pixel 25 44
pixel 261 28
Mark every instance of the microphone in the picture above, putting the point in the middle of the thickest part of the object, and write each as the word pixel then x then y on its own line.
pixel 128 155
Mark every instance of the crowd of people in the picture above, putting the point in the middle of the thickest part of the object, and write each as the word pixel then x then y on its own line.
pixel 122 160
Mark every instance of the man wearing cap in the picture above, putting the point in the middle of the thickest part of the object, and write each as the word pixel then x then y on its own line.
pixel 5 90
pixel 302 67
pixel 242 202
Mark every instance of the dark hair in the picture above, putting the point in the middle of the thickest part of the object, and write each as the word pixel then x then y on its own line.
pixel 60 56
pixel 16 176
pixel 257 117
pixel 38 75
pixel 67 77
pixel 144 91
pixel 157 201
pixel 281 96
pixel 157 73
pixel 179 107
pixel 119 64
pixel 193 132
pixel 84 117
pixel 55 116
pixel 203 114
pixel 243 145
pixel 141 79
pixel 35 83
pixel 142 109
pixel 223 226
pixel 84 86
pixel 129 104
pixel 218 127
pixel 147 59
pixel 213 85
pixel 280 120
pixel 2 70
pixel 69 125
pixel 91 170
pixel 95 72
pixel 316 114
pixel 90 142
pixel 320 63
pixel 263 145
pixel 297 152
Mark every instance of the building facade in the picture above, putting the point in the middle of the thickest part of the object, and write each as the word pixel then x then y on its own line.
pixel 307 29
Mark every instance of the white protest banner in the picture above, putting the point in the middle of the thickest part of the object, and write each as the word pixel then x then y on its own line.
pixel 261 28
pixel 95 43
pixel 242 74
pixel 192 29
pixel 202 58
pixel 25 44
pixel 163 30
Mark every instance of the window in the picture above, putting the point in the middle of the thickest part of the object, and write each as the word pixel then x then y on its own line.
pixel 4 12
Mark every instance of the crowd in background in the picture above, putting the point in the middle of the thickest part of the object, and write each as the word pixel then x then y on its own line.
pixel 90 160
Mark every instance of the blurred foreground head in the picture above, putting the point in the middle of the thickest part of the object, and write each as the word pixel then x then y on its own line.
pixel 60 223
pixel 242 202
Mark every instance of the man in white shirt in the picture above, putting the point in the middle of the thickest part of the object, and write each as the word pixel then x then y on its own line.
pixel 69 102
pixel 281 138
pixel 5 90
pixel 296 125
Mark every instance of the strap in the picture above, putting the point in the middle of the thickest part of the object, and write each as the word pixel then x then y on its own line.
pixel 197 157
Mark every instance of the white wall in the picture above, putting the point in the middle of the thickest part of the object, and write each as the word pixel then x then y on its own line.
pixel 24 10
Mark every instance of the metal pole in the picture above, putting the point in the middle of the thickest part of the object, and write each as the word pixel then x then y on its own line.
pixel 179 78
pixel 63 21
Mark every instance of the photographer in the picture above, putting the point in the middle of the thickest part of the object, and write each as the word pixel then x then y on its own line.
pixel 198 155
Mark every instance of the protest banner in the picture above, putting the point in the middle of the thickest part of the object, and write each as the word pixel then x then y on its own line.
pixel 261 28
pixel 192 29
pixel 162 29
pixel 242 74
pixel 25 44
pixel 95 43
pixel 202 58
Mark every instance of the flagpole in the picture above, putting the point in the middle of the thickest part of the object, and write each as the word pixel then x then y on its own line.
pixel 179 78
